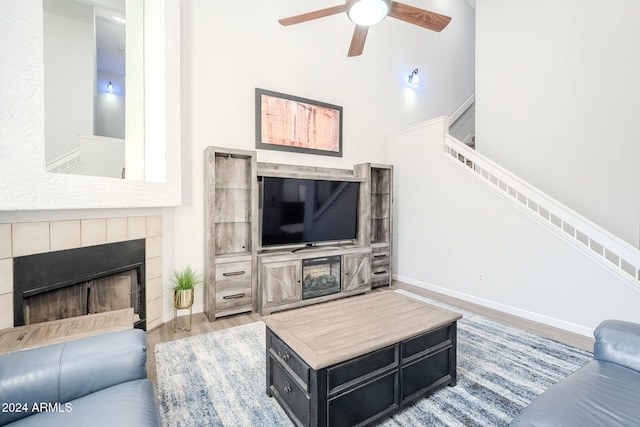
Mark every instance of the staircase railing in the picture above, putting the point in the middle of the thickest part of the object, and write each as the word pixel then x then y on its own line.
pixel 613 253
pixel 65 163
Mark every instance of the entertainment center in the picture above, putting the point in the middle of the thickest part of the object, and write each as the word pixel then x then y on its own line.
pixel 284 236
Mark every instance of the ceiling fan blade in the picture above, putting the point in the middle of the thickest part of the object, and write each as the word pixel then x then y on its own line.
pixel 423 18
pixel 358 39
pixel 312 15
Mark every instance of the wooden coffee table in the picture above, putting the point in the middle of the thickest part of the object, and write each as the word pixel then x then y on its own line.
pixel 356 360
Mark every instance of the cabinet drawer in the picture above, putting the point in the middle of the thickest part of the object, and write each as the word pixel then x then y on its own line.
pixel 359 370
pixel 289 393
pixel 379 278
pixel 235 297
pixel 288 358
pixel 425 374
pixel 426 343
pixel 380 266
pixel 369 400
pixel 380 258
pixel 233 273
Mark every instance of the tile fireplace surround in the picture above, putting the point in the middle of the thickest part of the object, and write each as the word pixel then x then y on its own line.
pixel 29 238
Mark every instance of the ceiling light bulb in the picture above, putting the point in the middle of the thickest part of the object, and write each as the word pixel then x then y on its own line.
pixel 368 12
pixel 110 88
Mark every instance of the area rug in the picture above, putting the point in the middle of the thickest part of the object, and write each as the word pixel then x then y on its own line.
pixel 218 379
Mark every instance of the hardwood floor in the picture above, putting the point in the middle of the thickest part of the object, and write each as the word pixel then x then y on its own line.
pixel 569 338
pixel 201 325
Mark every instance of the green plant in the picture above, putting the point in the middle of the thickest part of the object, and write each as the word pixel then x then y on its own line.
pixel 186 278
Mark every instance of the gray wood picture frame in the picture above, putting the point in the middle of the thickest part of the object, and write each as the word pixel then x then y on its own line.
pixel 291 123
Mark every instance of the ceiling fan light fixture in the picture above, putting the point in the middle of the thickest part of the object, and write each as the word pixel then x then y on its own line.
pixel 368 12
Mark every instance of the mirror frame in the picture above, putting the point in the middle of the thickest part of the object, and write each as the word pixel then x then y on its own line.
pixel 24 183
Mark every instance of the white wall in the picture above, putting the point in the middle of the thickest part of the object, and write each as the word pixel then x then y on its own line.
pixel 69 57
pixel 101 156
pixel 230 48
pixel 110 107
pixel 557 102
pixel 449 228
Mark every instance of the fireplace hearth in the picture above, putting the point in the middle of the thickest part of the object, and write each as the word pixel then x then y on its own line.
pixel 76 282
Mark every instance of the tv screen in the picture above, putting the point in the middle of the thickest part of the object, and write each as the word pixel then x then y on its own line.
pixel 308 211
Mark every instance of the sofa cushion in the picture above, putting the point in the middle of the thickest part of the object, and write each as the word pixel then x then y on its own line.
pixel 598 394
pixel 131 403
pixel 618 342
pixel 66 371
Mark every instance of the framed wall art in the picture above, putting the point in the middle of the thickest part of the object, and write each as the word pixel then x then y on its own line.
pixel 290 123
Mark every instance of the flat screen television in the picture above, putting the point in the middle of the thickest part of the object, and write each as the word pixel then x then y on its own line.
pixel 308 211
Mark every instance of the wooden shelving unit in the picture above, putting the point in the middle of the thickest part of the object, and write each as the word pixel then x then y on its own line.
pixel 376 219
pixel 231 231
pixel 380 205
pixel 240 277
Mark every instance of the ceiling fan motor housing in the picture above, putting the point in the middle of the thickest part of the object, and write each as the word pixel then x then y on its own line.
pixel 367 12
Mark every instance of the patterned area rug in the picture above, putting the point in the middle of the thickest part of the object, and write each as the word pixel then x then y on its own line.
pixel 218 379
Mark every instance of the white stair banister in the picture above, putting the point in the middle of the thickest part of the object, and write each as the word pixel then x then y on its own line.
pixel 613 253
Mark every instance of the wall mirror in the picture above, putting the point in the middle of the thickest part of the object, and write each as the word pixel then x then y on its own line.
pixel 93 85
pixel 152 165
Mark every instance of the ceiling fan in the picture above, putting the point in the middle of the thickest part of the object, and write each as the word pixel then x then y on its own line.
pixel 365 13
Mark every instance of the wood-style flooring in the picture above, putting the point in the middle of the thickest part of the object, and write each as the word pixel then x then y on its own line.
pixel 201 325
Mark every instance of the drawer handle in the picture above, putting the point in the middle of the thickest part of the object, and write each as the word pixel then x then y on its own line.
pixel 233 273
pixel 380 256
pixel 288 389
pixel 379 272
pixel 234 296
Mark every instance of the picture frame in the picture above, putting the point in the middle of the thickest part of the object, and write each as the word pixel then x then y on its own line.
pixel 292 123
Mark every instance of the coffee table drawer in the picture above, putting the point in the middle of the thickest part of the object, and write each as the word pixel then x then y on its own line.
pixel 287 390
pixel 426 343
pixel 349 374
pixel 365 402
pixel 288 358
pixel 425 374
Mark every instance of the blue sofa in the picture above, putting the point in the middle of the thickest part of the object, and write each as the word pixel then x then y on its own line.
pixel 94 381
pixel 604 392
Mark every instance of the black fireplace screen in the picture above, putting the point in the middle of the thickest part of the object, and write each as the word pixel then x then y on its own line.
pixel 321 276
pixel 100 295
pixel 96 277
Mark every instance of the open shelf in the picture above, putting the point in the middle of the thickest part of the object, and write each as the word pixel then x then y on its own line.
pixel 231 224
pixel 380 230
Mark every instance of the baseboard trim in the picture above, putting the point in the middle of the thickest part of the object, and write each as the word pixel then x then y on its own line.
pixel 525 314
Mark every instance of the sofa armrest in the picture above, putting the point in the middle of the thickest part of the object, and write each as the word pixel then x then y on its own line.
pixel 618 342
pixel 63 372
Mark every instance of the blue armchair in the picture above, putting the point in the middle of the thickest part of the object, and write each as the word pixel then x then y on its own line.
pixel 95 381
pixel 604 392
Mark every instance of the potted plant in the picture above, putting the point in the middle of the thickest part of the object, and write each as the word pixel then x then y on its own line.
pixel 184 282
